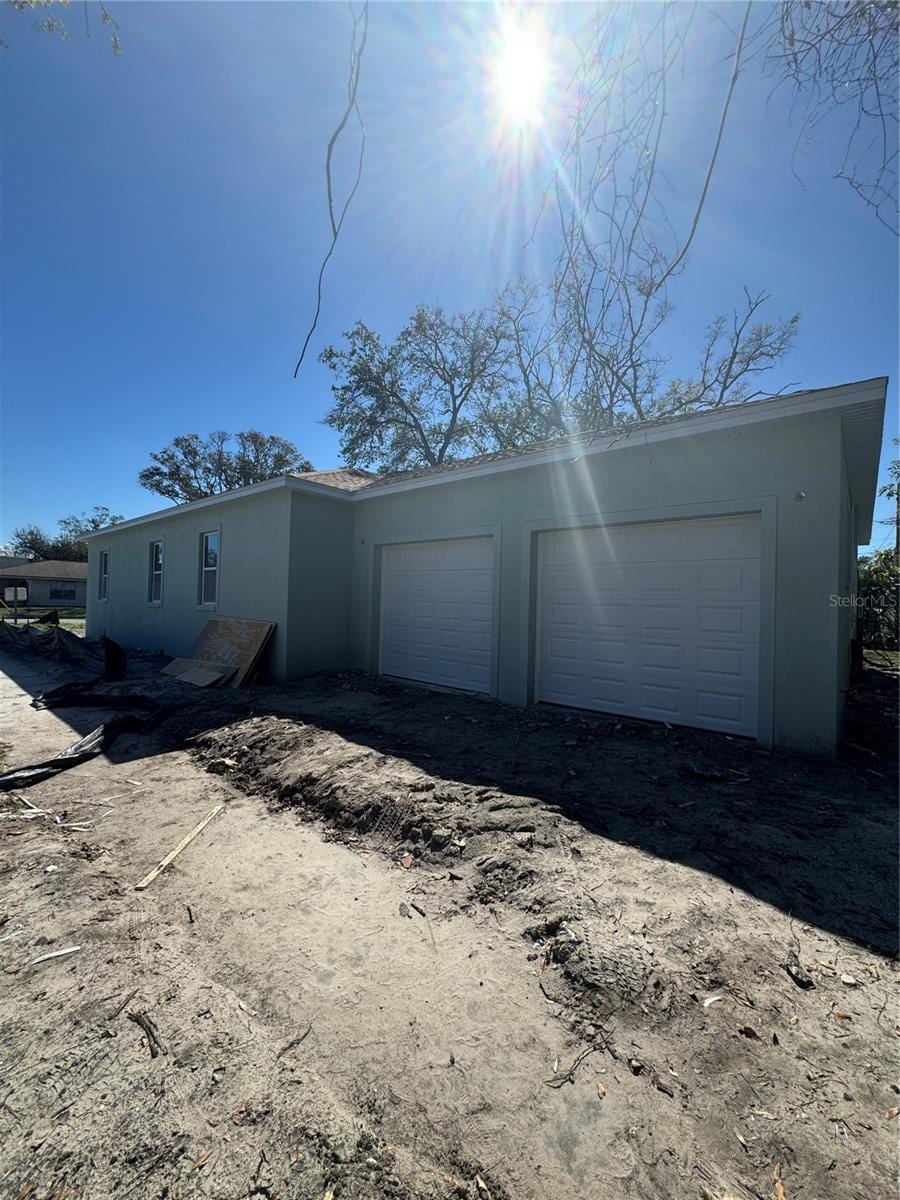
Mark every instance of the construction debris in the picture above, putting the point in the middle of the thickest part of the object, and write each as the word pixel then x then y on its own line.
pixel 173 854
pixel 230 643
pixel 92 744
pixel 198 672
pixel 802 978
pixel 56 954
pixel 153 1039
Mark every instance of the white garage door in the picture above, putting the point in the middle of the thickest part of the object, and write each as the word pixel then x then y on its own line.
pixel 437 601
pixel 658 621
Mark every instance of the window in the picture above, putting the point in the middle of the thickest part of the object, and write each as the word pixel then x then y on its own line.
pixel 209 568
pixel 103 579
pixel 60 591
pixel 154 583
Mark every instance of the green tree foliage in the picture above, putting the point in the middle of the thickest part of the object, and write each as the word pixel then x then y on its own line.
pixel 192 467
pixel 66 546
pixel 876 590
pixel 517 372
pixel 420 399
pixel 891 491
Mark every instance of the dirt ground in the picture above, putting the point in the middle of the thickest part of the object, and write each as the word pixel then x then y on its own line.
pixel 438 947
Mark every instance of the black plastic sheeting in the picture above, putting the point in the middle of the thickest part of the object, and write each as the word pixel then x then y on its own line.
pixel 56 643
pixel 96 742
pixel 63 646
pixel 82 695
pixel 49 618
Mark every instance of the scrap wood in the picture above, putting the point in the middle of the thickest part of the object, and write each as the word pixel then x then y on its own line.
pixel 173 854
pixel 56 954
pixel 234 641
pixel 153 1039
pixel 199 671
pixel 780 1193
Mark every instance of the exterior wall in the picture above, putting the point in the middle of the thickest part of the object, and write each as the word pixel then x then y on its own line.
pixel 253 576
pixel 846 589
pixel 756 468
pixel 40 593
pixel 321 544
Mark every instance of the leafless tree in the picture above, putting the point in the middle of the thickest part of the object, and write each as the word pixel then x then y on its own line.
pixel 336 217
pixel 840 58
pixel 46 18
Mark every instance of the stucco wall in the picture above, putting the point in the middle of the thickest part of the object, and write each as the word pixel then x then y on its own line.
pixel 751 469
pixel 319 588
pixel 253 576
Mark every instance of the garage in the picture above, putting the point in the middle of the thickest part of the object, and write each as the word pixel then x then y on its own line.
pixel 659 621
pixel 437 612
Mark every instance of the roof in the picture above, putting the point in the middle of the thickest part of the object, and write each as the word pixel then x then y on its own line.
pixel 46 569
pixel 11 560
pixel 860 404
pixel 348 479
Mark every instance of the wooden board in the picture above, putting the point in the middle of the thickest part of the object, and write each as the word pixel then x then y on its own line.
pixel 173 854
pixel 234 642
pixel 198 672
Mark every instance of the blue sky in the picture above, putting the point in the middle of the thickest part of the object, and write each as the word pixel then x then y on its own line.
pixel 163 217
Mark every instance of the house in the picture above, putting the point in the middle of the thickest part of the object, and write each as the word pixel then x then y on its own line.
pixel 694 570
pixel 48 583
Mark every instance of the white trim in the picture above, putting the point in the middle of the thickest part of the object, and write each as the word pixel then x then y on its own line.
pixel 252 489
pixel 867 392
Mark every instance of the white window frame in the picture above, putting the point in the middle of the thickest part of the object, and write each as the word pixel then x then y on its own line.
pixel 103 575
pixel 202 571
pixel 156 601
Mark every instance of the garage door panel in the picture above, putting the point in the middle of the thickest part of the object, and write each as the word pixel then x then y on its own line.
pixel 437 612
pixel 728 622
pixel 679 642
pixel 608 652
pixel 605 691
pixel 655 617
pixel 662 656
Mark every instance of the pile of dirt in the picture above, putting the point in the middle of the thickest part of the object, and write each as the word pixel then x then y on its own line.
pixel 436 947
pixel 663 878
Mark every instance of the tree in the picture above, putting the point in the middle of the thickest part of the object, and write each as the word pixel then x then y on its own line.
pixel 33 543
pixel 422 399
pixel 191 467
pixel 891 491
pixel 522 371
pixel 840 59
pixel 51 22
pixel 878 578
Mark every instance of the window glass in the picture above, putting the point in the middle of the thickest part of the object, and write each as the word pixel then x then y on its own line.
pixel 103 581
pixel 154 589
pixel 209 567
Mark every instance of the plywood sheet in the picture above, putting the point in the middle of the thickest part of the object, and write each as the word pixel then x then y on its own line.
pixel 233 641
pixel 196 671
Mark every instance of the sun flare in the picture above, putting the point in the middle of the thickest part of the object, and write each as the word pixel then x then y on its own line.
pixel 519 72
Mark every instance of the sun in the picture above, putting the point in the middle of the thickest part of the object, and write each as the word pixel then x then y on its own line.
pixel 519 72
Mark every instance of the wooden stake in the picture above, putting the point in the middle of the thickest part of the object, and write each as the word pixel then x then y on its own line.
pixel 173 854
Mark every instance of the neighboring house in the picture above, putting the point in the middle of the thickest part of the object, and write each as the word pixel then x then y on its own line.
pixel 696 570
pixel 48 583
pixel 11 560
